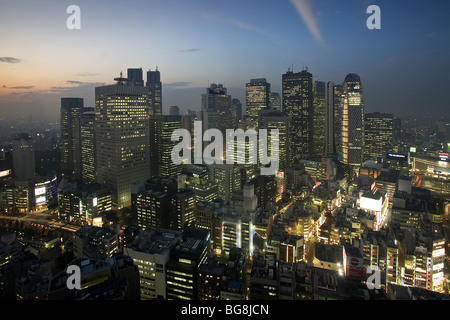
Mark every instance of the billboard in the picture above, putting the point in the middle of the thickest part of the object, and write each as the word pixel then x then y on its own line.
pixel 371 204
pixel 39 191
pixel 397 156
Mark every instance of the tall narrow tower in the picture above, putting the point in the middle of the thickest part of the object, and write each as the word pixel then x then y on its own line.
pixel 71 109
pixel 298 105
pixel 352 123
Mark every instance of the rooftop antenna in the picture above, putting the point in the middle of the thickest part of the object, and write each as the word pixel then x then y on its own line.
pixel 121 79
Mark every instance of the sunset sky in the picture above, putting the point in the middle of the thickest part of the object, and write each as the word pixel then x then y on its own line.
pixel 404 67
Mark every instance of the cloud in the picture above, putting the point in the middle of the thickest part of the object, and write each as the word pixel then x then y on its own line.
pixel 178 84
pixel 233 22
pixel 190 50
pixel 304 9
pixel 87 74
pixel 21 87
pixel 9 60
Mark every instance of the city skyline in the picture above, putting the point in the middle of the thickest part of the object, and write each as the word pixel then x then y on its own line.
pixel 195 44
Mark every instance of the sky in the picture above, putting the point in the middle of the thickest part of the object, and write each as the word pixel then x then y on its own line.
pixel 404 66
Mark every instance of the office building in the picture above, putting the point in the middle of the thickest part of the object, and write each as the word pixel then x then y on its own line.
pixel 272 119
pixel 151 252
pixel 257 98
pixel 71 109
pixel 135 77
pixel 330 118
pixel 378 135
pixel 319 105
pixel 183 209
pixel 122 138
pixel 24 156
pixel 117 278
pixel 85 142
pixel 275 101
pixel 185 260
pixel 161 146
pixel 99 243
pixel 352 121
pixel 174 111
pixel 236 111
pixel 298 105
pixel 154 85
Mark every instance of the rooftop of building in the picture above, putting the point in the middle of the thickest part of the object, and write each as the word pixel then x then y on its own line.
pixel 155 241
pixel 93 232
pixel 329 253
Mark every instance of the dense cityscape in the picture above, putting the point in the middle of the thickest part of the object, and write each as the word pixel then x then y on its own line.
pixel 354 191
pixel 224 158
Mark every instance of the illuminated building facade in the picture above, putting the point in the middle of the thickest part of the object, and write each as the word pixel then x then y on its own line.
pixel 161 145
pixel 151 251
pixel 86 158
pixel 330 119
pixel 298 105
pixel 378 134
pixel 71 109
pixel 122 138
pixel 352 121
pixel 272 119
pixel 319 105
pixel 154 85
pixel 257 98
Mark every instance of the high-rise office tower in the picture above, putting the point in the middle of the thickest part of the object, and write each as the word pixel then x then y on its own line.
pixel 272 119
pixel 161 145
pixel 257 98
pixel 24 156
pixel 298 106
pixel 330 115
pixel 352 125
pixel 275 101
pixel 71 109
pixel 183 208
pixel 155 96
pixel 174 111
pixel 319 118
pixel 217 100
pixel 227 177
pixel 236 110
pixel 338 107
pixel 183 268
pixel 378 134
pixel 135 77
pixel 122 138
pixel 85 146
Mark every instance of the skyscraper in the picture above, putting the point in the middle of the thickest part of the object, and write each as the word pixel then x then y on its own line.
pixel 122 137
pixel 236 110
pixel 86 157
pixel 352 125
pixel 275 101
pixel 272 119
pixel 330 114
pixel 217 100
pixel 135 77
pixel 24 156
pixel 71 109
pixel 319 118
pixel 378 134
pixel 161 145
pixel 257 98
pixel 298 106
pixel 155 95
